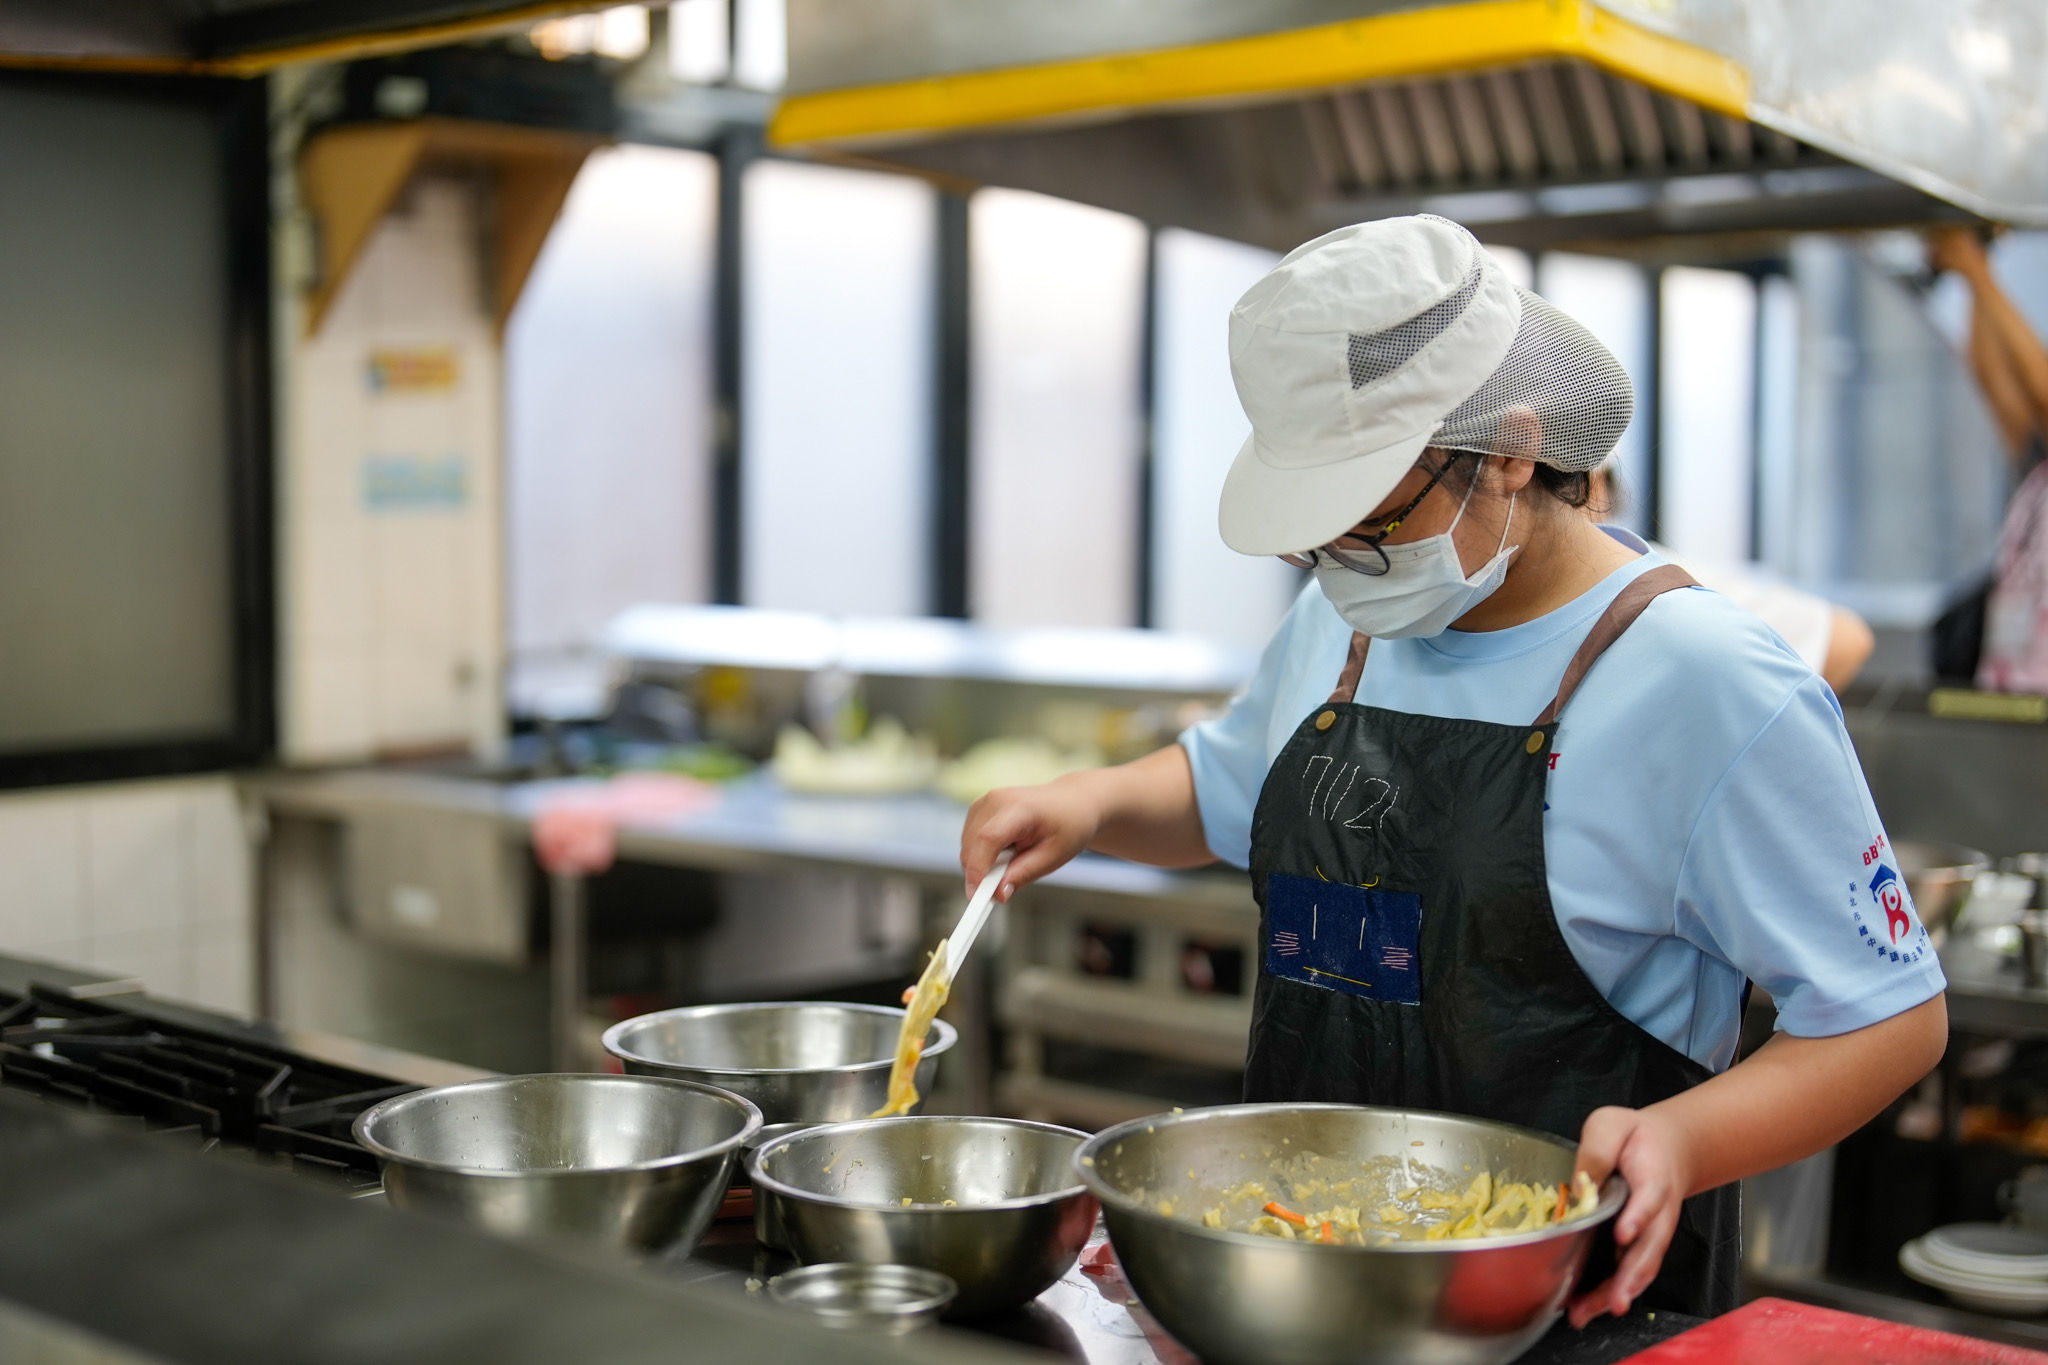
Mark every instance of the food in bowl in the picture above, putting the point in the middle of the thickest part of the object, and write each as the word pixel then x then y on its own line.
pixel 1386 1203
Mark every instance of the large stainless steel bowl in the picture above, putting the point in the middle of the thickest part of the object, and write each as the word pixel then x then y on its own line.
pixel 637 1163
pixel 993 1203
pixel 1939 876
pixel 1238 1299
pixel 807 1061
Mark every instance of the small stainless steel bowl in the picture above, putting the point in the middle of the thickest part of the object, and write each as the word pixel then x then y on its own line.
pixel 1238 1299
pixel 993 1203
pixel 634 1163
pixel 804 1061
pixel 879 1298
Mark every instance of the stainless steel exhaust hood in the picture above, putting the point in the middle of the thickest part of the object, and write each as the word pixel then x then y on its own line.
pixel 243 37
pixel 1539 122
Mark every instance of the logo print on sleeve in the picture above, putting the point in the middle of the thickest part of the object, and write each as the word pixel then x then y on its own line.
pixel 1898 938
pixel 1890 896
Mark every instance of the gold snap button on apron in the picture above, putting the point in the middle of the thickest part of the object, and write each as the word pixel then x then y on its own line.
pixel 1535 742
pixel 1326 720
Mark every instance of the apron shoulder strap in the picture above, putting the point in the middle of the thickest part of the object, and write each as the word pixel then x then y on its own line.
pixel 1354 669
pixel 1619 616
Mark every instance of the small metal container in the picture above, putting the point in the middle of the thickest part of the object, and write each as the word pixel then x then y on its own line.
pixel 1238 1299
pixel 876 1298
pixel 804 1061
pixel 631 1163
pixel 993 1203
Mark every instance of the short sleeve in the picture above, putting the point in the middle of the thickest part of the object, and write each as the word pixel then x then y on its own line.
pixel 1789 877
pixel 1802 620
pixel 1229 754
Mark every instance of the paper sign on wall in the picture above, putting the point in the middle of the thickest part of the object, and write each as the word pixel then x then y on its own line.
pixel 415 483
pixel 413 369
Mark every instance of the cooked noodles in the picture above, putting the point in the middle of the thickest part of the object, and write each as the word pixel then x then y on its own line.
pixel 923 1002
pixel 1368 1210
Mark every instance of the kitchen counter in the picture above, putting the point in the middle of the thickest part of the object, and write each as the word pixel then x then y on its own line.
pixel 132 1235
pixel 755 824
pixel 1090 1316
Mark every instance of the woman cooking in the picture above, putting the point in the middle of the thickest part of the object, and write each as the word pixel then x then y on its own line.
pixel 1523 807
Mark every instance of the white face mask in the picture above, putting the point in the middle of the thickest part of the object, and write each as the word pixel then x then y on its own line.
pixel 1424 588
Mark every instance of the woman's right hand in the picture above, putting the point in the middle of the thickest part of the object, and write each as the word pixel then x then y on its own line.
pixel 1046 825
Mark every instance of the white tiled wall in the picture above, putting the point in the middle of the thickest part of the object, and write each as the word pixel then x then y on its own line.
pixel 150 879
pixel 391 626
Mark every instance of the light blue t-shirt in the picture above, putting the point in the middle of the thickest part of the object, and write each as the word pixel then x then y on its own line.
pixel 1706 820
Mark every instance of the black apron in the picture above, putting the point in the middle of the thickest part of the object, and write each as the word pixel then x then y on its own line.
pixel 1410 955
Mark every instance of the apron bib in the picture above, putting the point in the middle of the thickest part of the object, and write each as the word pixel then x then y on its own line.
pixel 1410 956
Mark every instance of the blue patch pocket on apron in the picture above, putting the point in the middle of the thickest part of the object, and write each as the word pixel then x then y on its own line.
pixel 1345 938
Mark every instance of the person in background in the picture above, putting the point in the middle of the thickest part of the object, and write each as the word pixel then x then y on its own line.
pixel 1834 641
pixel 2001 635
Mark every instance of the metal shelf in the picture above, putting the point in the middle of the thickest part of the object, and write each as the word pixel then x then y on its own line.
pixel 1204 1031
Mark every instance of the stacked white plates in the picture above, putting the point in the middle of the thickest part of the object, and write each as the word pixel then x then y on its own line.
pixel 1986 1266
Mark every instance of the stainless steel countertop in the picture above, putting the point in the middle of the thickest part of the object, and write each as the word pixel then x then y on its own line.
pixel 755 824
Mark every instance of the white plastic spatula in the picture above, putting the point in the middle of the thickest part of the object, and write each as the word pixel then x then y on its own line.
pixel 973 917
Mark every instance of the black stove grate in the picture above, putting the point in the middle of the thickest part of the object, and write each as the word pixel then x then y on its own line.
pixel 237 1093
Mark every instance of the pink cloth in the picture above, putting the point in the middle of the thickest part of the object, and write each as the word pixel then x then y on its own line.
pixel 2016 617
pixel 576 832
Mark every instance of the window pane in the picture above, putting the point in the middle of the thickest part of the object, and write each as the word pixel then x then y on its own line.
pixel 116 595
pixel 1057 321
pixel 607 401
pixel 1777 423
pixel 1514 263
pixel 1200 586
pixel 699 41
pixel 837 403
pixel 760 44
pixel 1707 417
pixel 1612 298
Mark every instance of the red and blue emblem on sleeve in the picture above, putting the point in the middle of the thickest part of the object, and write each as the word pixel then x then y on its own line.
pixel 1882 911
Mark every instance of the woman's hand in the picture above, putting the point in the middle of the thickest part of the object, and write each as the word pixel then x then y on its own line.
pixel 1651 1153
pixel 1143 810
pixel 1046 824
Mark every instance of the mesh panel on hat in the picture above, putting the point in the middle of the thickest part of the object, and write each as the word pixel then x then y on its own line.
pixel 1375 355
pixel 1559 396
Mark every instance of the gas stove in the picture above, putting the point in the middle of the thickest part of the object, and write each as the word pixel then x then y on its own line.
pixel 214 1090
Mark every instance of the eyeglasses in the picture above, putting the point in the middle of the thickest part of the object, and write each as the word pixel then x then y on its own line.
pixel 1362 554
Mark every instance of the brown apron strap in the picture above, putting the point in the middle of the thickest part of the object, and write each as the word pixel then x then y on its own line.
pixel 1619 616
pixel 1354 669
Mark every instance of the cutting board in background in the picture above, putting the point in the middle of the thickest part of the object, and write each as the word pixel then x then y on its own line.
pixel 1776 1332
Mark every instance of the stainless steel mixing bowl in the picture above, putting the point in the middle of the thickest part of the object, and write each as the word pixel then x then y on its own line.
pixel 807 1061
pixel 1939 877
pixel 637 1163
pixel 993 1203
pixel 1238 1299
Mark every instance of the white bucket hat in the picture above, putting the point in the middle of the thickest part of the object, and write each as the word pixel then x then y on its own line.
pixel 1368 344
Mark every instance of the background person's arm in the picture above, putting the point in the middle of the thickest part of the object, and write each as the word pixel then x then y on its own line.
pixel 1850 643
pixel 2009 360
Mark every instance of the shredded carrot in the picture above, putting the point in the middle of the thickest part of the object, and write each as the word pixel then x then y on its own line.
pixel 1326 1233
pixel 908 993
pixel 1286 1215
pixel 1564 1200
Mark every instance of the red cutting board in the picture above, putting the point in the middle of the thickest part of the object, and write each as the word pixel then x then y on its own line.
pixel 1775 1332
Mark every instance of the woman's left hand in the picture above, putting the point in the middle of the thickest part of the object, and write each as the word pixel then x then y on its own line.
pixel 1651 1153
